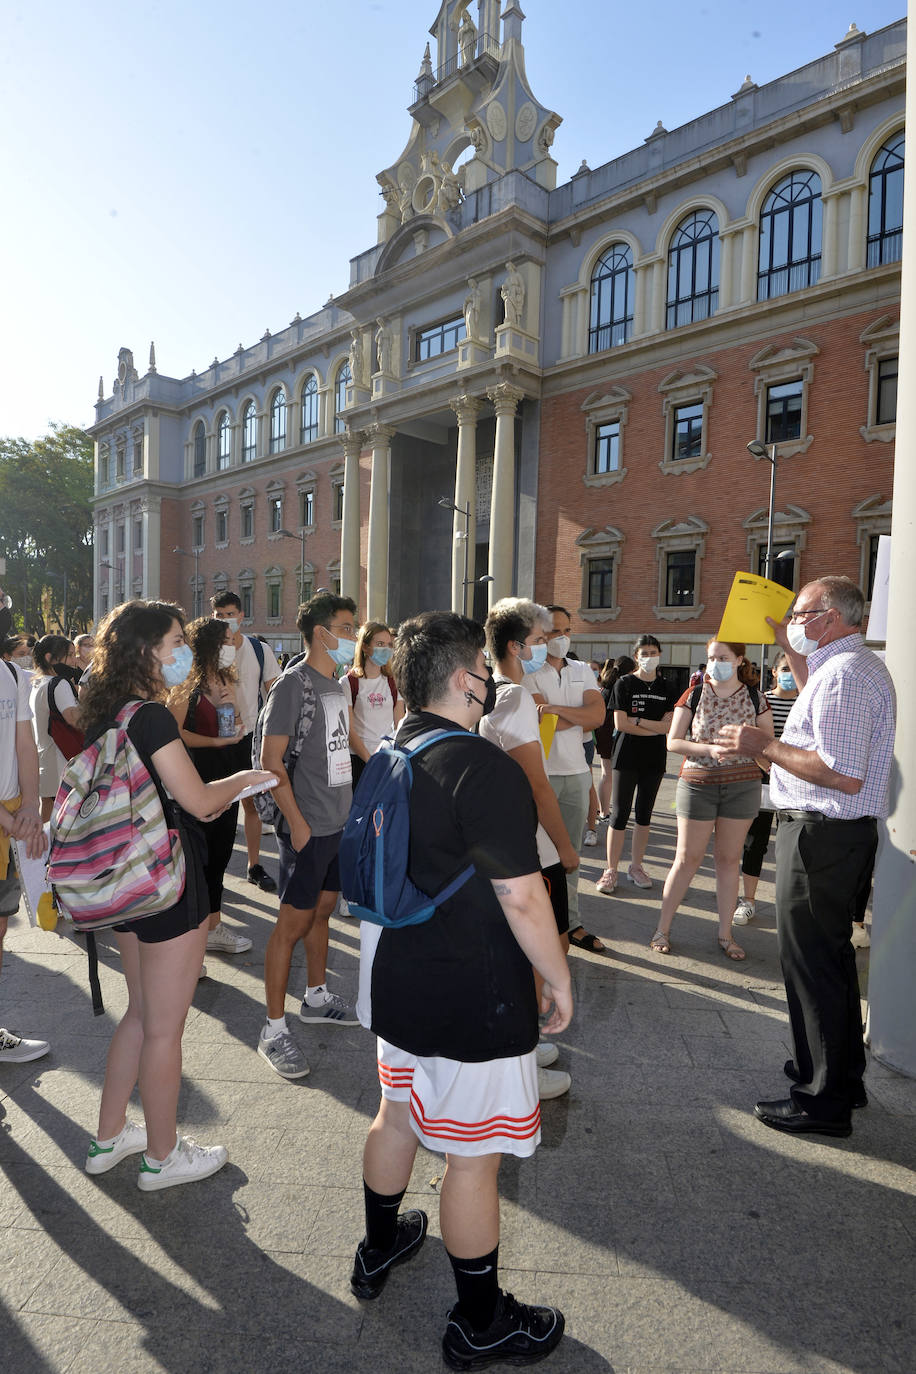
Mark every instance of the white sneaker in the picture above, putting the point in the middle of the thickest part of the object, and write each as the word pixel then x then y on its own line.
pixel 343 908
pixel 745 911
pixel 860 938
pixel 591 839
pixel 222 940
pixel 187 1162
pixel 15 1050
pixel 203 972
pixel 547 1054
pixel 130 1140
pixel 552 1083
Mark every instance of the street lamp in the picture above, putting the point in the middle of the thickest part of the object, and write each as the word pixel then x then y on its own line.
pixel 196 556
pixel 112 569
pixel 759 450
pixel 301 536
pixel 448 504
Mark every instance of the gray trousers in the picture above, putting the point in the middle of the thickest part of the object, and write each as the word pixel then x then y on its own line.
pixel 572 794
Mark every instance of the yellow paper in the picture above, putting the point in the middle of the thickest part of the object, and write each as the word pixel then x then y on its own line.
pixel 750 601
pixel 548 730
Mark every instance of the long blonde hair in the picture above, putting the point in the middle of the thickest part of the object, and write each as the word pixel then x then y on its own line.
pixel 363 640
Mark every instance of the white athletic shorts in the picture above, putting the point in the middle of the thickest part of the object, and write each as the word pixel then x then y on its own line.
pixel 466 1109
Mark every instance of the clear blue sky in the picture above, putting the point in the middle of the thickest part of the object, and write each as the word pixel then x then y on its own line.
pixel 195 171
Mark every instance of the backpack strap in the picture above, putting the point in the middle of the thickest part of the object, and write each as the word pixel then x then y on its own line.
pixel 353 680
pixel 12 668
pixel 416 746
pixel 258 653
pixel 693 700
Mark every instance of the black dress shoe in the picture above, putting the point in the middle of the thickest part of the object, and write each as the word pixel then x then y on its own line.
pixel 857 1094
pixel 262 879
pixel 784 1115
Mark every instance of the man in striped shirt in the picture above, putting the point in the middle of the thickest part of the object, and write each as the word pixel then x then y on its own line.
pixel 829 785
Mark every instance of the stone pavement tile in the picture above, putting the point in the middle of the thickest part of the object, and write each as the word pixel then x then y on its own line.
pixel 731 1051
pixel 751 1022
pixel 656 1126
pixel 703 994
pixel 559 1237
pixel 891 1091
pixel 37 1344
pixel 594 1176
pixel 67 1200
pixel 653 1238
pixel 26 1260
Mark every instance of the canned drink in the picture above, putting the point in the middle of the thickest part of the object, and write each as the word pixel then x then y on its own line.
pixel 226 717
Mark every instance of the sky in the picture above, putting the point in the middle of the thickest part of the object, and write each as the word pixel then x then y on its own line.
pixel 193 172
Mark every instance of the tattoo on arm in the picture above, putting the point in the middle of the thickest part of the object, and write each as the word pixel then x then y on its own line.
pixel 502 889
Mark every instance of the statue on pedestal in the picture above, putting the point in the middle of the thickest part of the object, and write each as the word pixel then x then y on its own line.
pixel 356 358
pixel 383 347
pixel 472 309
pixel 467 39
pixel 513 294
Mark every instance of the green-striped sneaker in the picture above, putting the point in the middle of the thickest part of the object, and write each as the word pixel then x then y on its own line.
pixel 130 1140
pixel 186 1163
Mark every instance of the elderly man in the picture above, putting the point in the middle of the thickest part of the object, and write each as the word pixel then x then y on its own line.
pixel 829 786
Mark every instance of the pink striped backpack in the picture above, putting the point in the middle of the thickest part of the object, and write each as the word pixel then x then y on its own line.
pixel 113 856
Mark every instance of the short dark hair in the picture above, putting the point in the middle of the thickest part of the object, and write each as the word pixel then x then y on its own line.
pixel 511 620
pixel 646 642
pixel 429 649
pixel 50 649
pixel 321 610
pixel 221 600
pixel 561 609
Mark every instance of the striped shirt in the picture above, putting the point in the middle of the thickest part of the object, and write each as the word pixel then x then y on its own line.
pixel 780 706
pixel 845 712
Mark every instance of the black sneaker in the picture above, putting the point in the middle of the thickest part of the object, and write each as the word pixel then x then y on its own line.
pixel 518 1334
pixel 261 879
pixel 372 1267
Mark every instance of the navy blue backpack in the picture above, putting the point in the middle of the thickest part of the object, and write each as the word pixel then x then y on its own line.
pixel 375 844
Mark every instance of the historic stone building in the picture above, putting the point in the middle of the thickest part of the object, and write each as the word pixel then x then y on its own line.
pixel 551 388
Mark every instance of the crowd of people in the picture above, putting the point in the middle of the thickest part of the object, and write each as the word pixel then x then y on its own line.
pixel 504 788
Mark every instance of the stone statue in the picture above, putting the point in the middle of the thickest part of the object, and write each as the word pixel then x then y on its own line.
pixel 545 139
pixel 356 358
pixel 449 191
pixel 383 347
pixel 477 137
pixel 467 39
pixel 472 309
pixel 513 294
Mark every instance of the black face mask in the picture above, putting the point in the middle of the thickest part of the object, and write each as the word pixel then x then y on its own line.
pixel 489 696
pixel 71 675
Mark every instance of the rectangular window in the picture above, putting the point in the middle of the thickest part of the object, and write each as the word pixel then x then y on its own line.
pixel 783 564
pixel 439 338
pixel 680 578
pixel 872 565
pixel 248 522
pixel 307 589
pixel 600 582
pixel 103 541
pixel 687 439
pixel 784 411
pixel 245 594
pixel 275 514
pixel 338 501
pixel 104 468
pixel 138 536
pixel 222 526
pixel 197 532
pixel 119 469
pixel 886 407
pixel 307 508
pixel 138 453
pixel 273 601
pixel 119 539
pixel 607 447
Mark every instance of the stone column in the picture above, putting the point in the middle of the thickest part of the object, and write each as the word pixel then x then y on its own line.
pixel 505 398
pixel 892 965
pixel 380 436
pixel 349 534
pixel 856 251
pixel 829 236
pixel 726 269
pixel 464 531
pixel 748 265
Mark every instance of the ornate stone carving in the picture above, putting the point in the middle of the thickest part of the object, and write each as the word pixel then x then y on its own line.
pixel 383 344
pixel 545 139
pixel 472 309
pixel 505 397
pixel 467 408
pixel 525 122
pixel 467 39
pixel 356 357
pixel 126 370
pixel 496 121
pixel 513 294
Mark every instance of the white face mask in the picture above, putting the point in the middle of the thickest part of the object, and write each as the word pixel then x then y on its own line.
pixel 232 624
pixel 227 656
pixel 719 670
pixel 558 647
pixel 648 663
pixel 798 638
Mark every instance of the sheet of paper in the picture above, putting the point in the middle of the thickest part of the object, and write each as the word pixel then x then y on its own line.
pixel 548 730
pixel 750 601
pixel 33 877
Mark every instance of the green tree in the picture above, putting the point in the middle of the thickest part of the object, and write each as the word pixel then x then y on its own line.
pixel 46 529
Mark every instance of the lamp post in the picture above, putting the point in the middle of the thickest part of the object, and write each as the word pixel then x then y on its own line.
pixel 759 450
pixel 112 569
pixel 301 536
pixel 196 556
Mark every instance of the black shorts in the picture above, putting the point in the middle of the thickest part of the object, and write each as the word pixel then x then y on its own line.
pixel 305 874
pixel 192 907
pixel 555 882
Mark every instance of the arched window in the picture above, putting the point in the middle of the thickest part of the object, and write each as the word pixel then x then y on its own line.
pixel 250 433
pixel 223 442
pixel 309 428
pixel 611 316
pixel 885 203
pixel 693 269
pixel 278 421
pixel 344 378
pixel 790 236
pixel 200 449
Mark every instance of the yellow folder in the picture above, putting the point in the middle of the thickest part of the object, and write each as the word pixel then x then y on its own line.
pixel 750 601
pixel 548 730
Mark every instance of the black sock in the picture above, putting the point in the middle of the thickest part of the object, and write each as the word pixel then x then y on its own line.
pixel 477 1281
pixel 381 1218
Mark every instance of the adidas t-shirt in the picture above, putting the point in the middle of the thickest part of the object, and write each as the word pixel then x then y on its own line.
pixel 322 781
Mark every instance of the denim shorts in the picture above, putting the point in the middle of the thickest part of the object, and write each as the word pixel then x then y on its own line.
pixel 707 801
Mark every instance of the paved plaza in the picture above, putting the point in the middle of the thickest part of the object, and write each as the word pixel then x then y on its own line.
pixel 674 1230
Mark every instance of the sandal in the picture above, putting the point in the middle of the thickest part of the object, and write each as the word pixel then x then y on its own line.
pixel 731 949
pixel 591 943
pixel 660 943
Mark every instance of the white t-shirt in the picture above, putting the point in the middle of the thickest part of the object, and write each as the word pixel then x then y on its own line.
pixel 513 722
pixel 14 706
pixel 249 684
pixel 373 709
pixel 566 688
pixel 51 762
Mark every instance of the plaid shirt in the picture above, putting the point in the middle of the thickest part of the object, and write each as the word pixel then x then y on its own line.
pixel 846 712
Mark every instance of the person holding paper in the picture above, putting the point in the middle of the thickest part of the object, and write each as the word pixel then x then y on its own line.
pixel 718 791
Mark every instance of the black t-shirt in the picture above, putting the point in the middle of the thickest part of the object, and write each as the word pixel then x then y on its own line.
pixel 646 701
pixel 459 985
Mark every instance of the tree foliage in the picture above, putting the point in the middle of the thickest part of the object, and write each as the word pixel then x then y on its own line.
pixel 46 529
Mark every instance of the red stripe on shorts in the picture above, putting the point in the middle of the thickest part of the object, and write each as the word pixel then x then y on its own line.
pixel 516 1127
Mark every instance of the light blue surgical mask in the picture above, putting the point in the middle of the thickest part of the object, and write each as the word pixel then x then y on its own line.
pixel 174 673
pixel 343 654
pixel 538 657
pixel 786 681
pixel 719 670
pixel 381 655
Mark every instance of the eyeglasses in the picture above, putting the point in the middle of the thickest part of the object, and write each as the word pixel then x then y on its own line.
pixel 804 615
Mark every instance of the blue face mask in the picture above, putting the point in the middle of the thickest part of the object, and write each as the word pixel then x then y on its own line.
pixel 719 670
pixel 175 672
pixel 343 654
pixel 381 655
pixel 786 681
pixel 537 660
